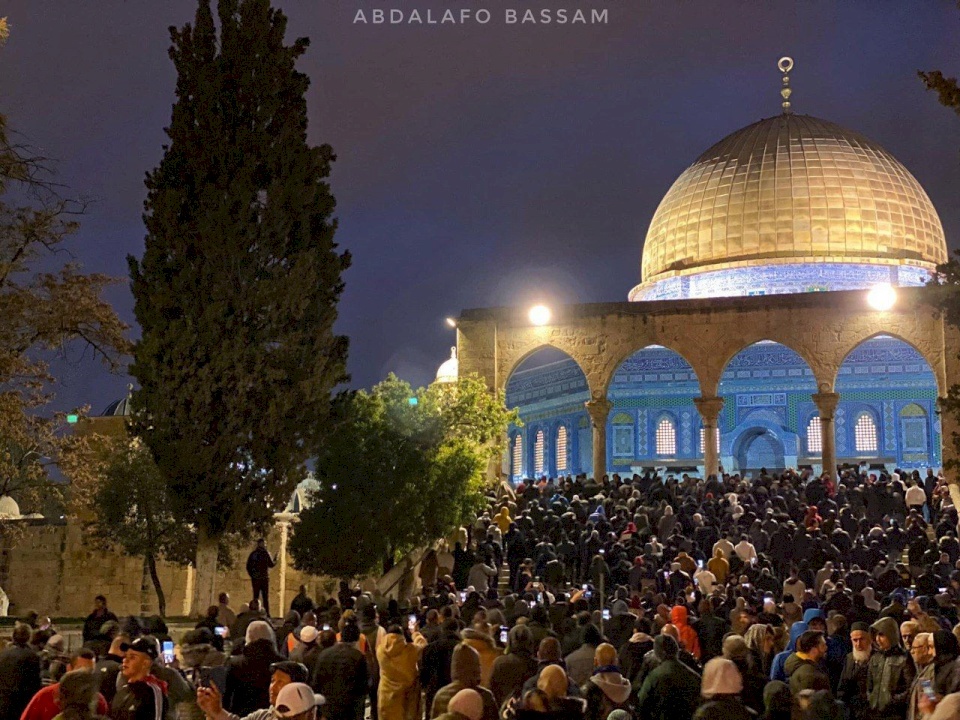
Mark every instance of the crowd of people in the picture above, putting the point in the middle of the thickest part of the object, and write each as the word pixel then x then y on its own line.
pixel 785 597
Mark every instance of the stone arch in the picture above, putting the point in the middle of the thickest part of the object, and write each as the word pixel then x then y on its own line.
pixel 882 375
pixel 513 355
pixel 549 388
pixel 710 381
pixel 636 348
pixel 766 387
pixel 926 355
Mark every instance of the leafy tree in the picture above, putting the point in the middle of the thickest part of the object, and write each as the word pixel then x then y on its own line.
pixel 395 475
pixel 41 313
pixel 945 293
pixel 130 506
pixel 237 290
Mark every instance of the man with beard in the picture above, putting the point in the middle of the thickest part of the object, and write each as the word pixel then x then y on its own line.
pixel 852 689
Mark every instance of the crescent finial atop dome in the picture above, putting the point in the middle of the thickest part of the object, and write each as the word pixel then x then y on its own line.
pixel 785 65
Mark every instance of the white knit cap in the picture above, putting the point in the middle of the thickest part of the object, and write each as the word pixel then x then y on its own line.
pixel 468 703
pixel 721 677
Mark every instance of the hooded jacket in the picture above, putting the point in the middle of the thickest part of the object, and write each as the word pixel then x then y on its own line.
pixel 398 695
pixel 606 692
pixel 465 675
pixel 248 677
pixel 890 674
pixel 486 649
pixel 688 636
pixel 670 692
pixel 778 667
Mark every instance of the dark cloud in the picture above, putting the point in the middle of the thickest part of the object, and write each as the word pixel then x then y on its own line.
pixel 481 165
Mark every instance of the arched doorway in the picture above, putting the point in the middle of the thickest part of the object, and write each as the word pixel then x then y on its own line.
pixel 758 449
pixel 887 414
pixel 549 390
pixel 767 390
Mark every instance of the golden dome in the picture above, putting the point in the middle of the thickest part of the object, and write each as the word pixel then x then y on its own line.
pixel 789 190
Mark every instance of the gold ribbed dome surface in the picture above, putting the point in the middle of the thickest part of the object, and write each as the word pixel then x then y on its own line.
pixel 787 189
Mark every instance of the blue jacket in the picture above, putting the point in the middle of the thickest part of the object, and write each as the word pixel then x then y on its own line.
pixel 777 671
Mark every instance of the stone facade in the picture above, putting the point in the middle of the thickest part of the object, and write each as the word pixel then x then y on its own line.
pixel 822 328
pixel 53 570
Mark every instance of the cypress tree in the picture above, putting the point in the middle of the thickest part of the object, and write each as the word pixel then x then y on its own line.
pixel 237 290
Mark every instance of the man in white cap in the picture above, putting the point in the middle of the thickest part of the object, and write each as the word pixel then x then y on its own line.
pixel 297 701
pixel 283 674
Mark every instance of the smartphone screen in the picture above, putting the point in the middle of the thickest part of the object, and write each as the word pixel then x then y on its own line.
pixel 168 651
pixel 700 564
pixel 326 627
pixel 606 613
pixel 503 634
pixel 463 597
pixel 928 690
pixel 220 630
pixel 411 620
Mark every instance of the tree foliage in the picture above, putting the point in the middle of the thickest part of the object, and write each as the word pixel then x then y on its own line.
pixel 945 290
pixel 130 511
pixel 395 475
pixel 43 313
pixel 237 290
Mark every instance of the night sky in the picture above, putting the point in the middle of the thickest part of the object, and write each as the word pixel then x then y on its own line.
pixel 479 165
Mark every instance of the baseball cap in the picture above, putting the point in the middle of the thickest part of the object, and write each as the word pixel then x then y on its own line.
pixel 309 634
pixel 296 698
pixel 297 672
pixel 145 645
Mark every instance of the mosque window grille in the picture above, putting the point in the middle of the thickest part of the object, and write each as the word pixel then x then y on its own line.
pixel 814 436
pixel 865 434
pixel 517 469
pixel 538 453
pixel 666 437
pixel 703 443
pixel 561 450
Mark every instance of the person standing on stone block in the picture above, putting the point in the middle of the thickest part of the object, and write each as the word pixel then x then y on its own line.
pixel 258 568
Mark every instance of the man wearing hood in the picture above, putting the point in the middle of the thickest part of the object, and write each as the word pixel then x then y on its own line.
pixel 671 691
pixel 465 675
pixel 606 690
pixel 688 636
pixel 890 674
pixel 248 675
pixel 852 689
pixel 777 670
pixel 512 670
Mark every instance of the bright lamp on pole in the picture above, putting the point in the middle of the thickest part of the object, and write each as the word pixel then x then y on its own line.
pixel 539 315
pixel 451 322
pixel 882 297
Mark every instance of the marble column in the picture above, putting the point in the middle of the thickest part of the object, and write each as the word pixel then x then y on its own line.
pixel 709 409
pixel 599 410
pixel 826 403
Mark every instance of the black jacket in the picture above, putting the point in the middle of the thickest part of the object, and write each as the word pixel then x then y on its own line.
pixel 248 678
pixel 93 623
pixel 340 675
pixel 435 664
pixel 144 700
pixel 19 680
pixel 259 563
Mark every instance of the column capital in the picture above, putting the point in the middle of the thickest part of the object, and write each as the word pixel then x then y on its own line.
pixel 709 409
pixel 599 409
pixel 826 403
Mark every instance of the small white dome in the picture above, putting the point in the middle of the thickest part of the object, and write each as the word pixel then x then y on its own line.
pixel 9 508
pixel 450 370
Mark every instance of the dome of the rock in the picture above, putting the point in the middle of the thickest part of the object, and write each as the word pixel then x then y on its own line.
pixel 790 204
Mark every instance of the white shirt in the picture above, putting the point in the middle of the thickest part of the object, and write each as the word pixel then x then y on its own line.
pixel 797 589
pixel 726 546
pixel 915 496
pixel 745 551
pixel 706 580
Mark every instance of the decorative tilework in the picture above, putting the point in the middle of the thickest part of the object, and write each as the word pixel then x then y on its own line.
pixel 642 431
pixel 839 423
pixel 686 423
pixel 889 427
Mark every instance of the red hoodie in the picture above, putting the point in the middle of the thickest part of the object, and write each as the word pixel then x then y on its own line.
pixel 45 705
pixel 688 636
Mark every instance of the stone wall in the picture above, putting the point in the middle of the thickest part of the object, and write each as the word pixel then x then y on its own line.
pixel 53 569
